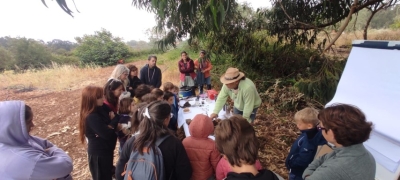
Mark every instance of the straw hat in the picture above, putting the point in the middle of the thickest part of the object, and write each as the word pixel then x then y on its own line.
pixel 231 75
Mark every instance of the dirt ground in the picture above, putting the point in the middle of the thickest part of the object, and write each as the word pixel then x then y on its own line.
pixel 56 115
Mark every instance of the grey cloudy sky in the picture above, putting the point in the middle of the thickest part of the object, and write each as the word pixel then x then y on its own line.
pixel 31 19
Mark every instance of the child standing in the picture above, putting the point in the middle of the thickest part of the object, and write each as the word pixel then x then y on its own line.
pixel 236 139
pixel 305 147
pixel 125 109
pixel 201 150
pixel 203 67
pixel 112 90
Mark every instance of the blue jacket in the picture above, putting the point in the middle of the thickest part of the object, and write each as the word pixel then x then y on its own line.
pixel 303 151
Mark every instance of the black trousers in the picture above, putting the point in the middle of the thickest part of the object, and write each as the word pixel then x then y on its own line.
pixel 101 167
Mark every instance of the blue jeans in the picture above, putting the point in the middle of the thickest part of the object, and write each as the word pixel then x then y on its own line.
pixel 252 116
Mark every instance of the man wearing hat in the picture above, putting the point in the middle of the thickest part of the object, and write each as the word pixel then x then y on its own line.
pixel 242 91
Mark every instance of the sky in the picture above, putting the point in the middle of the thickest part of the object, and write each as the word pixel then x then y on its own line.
pixel 31 19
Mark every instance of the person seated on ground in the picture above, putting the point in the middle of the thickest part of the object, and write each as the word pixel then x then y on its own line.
pixel 237 142
pixel 140 91
pixel 203 154
pixel 170 99
pixel 306 145
pixel 148 98
pixel 24 156
pixel 134 80
pixel 158 93
pixel 155 118
pixel 223 168
pixel 345 127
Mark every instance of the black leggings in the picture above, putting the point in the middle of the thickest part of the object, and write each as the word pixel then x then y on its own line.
pixel 101 167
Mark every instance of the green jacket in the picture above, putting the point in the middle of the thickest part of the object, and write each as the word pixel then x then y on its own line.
pixel 245 100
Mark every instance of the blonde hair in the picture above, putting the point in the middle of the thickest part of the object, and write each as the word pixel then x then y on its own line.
pixel 307 115
pixel 118 71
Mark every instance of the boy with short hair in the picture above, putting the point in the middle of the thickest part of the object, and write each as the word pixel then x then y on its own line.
pixel 235 138
pixel 305 147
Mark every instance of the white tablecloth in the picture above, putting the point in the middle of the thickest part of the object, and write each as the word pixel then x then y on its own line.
pixel 206 109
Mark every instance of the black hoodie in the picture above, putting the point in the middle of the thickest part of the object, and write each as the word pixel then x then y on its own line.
pixel 151 76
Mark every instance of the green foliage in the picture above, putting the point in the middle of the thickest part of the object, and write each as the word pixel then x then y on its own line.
pixel 101 48
pixel 322 86
pixel 29 53
pixel 6 59
pixel 396 23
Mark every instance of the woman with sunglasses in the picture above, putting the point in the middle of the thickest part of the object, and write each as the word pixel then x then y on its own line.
pixel 345 127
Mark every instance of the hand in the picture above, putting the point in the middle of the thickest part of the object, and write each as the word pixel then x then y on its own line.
pixel 111 114
pixel 213 115
pixel 119 127
pixel 130 88
pixel 203 71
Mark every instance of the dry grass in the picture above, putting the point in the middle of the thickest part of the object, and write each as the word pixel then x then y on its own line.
pixel 57 77
pixel 382 34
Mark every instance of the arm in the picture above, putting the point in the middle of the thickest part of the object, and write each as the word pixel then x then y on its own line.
pixel 313 166
pixel 303 158
pixel 124 158
pixel 42 142
pixel 209 66
pixel 183 169
pixel 142 75
pixel 326 173
pixel 221 99
pixel 219 172
pixel 214 158
pixel 189 69
pixel 158 85
pixel 248 96
pixel 57 164
pixel 196 64
pixel 99 128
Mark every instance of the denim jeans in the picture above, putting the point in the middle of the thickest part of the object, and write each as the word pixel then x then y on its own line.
pixel 252 116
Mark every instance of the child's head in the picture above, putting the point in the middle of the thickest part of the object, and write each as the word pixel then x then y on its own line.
pixel 306 118
pixel 112 90
pixel 92 97
pixel 148 98
pixel 125 106
pixel 169 97
pixel 158 93
pixel 142 90
pixel 168 86
pixel 133 70
pixel 175 90
pixel 136 118
pixel 236 140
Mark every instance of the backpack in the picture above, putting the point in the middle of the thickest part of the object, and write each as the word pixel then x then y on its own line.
pixel 149 166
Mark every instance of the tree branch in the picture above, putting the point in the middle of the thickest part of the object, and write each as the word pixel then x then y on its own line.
pixel 344 25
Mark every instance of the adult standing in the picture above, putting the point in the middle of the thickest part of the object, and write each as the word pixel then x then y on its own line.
pixel 186 68
pixel 345 127
pixel 150 74
pixel 134 80
pixel 242 91
pixel 203 67
pixel 121 73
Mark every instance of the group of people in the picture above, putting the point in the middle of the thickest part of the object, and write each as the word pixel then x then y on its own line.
pixel 139 115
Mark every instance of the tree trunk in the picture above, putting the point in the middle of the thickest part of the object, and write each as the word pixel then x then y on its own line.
pixel 365 34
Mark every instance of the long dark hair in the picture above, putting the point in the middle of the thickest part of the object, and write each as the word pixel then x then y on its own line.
pixel 112 85
pixel 152 128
